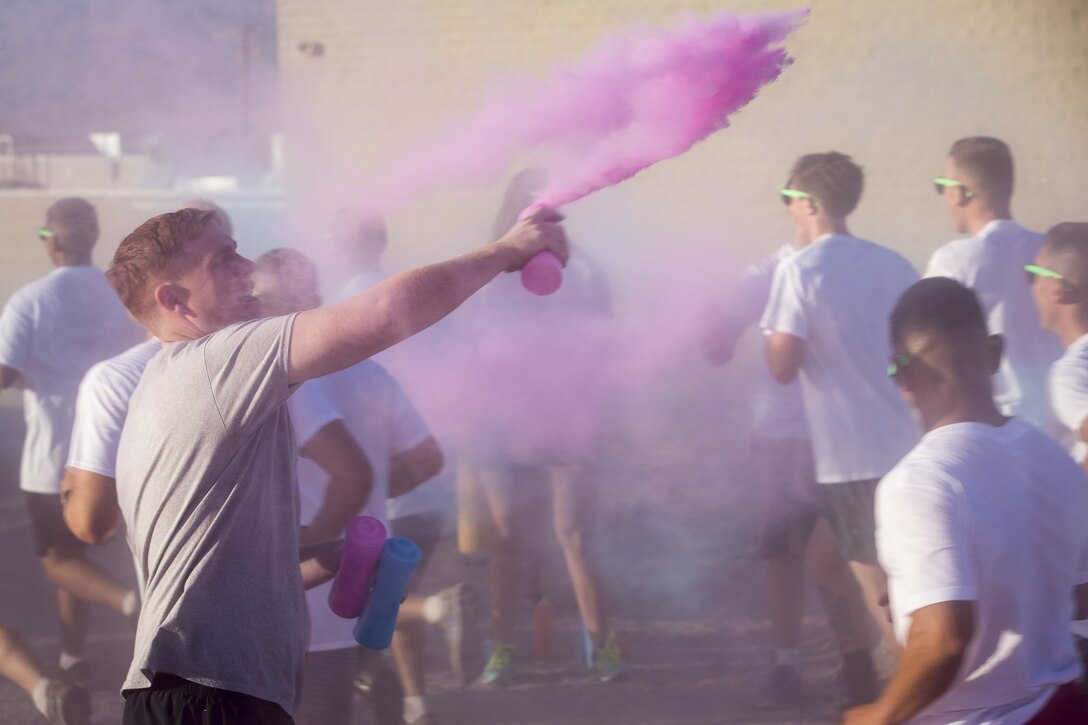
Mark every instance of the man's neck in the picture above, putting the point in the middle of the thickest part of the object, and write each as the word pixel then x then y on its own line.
pixel 1071 327
pixel 977 407
pixel 70 260
pixel 823 226
pixel 984 216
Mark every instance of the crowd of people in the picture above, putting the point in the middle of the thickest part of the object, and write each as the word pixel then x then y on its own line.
pixel 919 447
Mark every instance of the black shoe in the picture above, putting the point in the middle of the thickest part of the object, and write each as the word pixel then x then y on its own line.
pixel 858 677
pixel 782 689
pixel 67 704
pixel 380 687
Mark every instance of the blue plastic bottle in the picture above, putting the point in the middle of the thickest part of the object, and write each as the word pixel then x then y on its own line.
pixel 399 558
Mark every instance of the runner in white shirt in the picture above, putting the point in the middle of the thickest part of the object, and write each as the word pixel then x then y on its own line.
pixel 793 531
pixel 89 488
pixel 1059 276
pixel 983 531
pixel 977 190
pixel 1058 280
pixel 51 332
pixel 404 455
pixel 826 323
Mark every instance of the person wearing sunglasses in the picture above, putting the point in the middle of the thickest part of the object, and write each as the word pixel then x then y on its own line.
pixel 825 323
pixel 977 190
pixel 794 536
pixel 51 332
pixel 983 533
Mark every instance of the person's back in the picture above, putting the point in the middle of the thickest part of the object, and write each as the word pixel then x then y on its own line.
pixel 991 261
pixel 1018 501
pixel 846 288
pixel 64 322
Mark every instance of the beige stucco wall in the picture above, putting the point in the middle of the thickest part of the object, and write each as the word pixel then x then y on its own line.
pixel 892 83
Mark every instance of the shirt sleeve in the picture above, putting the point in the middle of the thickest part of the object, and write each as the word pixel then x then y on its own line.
pixel 246 365
pixel 1069 395
pixel 943 264
pixel 920 539
pixel 409 428
pixel 101 409
pixel 311 411
pixel 16 334
pixel 786 309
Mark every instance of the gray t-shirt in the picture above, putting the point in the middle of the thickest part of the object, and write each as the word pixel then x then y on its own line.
pixel 206 484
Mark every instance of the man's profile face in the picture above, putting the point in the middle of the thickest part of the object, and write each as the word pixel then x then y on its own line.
pixel 218 281
pixel 1045 292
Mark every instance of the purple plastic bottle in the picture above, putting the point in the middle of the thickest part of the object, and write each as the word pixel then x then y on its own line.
pixel 363 540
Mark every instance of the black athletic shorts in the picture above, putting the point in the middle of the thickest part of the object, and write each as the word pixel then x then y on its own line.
pixel 173 701
pixel 790 500
pixel 50 531
pixel 851 511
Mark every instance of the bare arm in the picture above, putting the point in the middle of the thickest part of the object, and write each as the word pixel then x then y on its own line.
pixel 938 640
pixel 319 562
pixel 332 338
pixel 415 466
pixel 90 505
pixel 351 479
pixel 1080 602
pixel 785 352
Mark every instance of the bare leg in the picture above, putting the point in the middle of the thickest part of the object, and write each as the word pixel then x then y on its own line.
pixel 73 623
pixel 506 552
pixel 84 580
pixel 408 642
pixel 785 599
pixel 17 662
pixel 846 612
pixel 571 511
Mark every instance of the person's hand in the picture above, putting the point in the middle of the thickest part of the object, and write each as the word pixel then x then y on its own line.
pixel 864 715
pixel 537 232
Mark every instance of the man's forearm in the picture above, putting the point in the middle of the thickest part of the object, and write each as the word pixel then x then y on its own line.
pixel 332 338
pixel 927 669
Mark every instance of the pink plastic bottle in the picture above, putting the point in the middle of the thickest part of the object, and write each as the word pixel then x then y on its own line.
pixel 543 273
pixel 363 540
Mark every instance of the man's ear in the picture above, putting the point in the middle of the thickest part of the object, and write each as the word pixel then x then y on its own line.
pixel 996 345
pixel 172 298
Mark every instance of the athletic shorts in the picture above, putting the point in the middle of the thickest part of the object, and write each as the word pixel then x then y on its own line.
pixel 173 701
pixel 790 499
pixel 51 533
pixel 850 509
pixel 425 529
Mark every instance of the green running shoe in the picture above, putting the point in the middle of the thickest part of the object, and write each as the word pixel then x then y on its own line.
pixel 608 661
pixel 500 667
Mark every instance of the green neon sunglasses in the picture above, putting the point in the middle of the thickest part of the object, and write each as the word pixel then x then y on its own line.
pixel 790 194
pixel 896 363
pixel 1034 270
pixel 44 234
pixel 941 183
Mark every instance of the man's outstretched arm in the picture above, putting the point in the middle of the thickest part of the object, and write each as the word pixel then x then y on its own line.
pixel 338 336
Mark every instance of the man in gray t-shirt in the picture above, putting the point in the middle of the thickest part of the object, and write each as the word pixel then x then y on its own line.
pixel 205 469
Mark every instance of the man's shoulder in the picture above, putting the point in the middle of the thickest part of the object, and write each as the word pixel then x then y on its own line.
pixel 128 364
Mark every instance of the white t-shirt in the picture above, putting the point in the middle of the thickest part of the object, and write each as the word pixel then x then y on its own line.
pixel 436 494
pixel 992 264
pixel 1069 398
pixel 384 423
pixel 779 409
pixel 837 295
pixel 997 516
pixel 52 331
pixel 102 406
